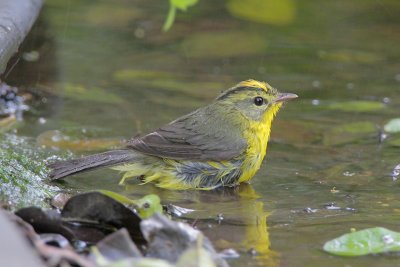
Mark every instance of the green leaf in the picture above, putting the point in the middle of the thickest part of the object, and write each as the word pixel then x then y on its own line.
pixel 118 197
pixel 114 249
pixel 145 206
pixel 149 262
pixel 173 6
pixel 214 45
pixel 75 140
pixel 367 241
pixel 282 12
pixel 394 142
pixel 393 126
pixel 7 123
pixel 183 4
pixel 357 106
pixel 93 94
pixel 148 205
pixel 170 18
pixel 350 56
pixel 196 256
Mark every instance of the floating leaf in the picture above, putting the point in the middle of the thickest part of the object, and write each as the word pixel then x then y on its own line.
pixel 393 126
pixel 93 94
pixel 59 139
pixel 357 106
pixel 356 127
pixel 7 123
pixel 223 44
pixel 349 132
pixel 280 12
pixel 171 82
pixel 350 56
pixel 394 142
pixel 132 75
pixel 111 15
pixel 367 241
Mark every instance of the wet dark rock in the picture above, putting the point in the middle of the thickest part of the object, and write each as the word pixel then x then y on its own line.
pixel 59 200
pixel 116 247
pixel 45 221
pixel 89 222
pixel 168 239
pixel 16 250
pixel 86 217
pixel 99 209
pixel 55 240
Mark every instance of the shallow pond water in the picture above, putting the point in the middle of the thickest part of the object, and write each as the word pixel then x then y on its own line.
pixel 107 72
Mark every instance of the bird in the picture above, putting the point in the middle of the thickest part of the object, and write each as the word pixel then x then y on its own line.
pixel 221 144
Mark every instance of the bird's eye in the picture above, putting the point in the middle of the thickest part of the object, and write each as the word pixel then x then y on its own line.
pixel 258 101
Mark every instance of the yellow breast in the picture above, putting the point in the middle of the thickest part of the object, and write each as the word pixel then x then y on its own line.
pixel 257 137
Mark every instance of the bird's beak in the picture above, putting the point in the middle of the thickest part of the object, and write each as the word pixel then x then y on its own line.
pixel 283 97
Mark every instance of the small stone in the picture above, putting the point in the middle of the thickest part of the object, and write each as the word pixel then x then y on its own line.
pixel 386 100
pixel 139 33
pixel 252 252
pixel 387 239
pixel 349 174
pixel 229 253
pixel 31 56
pixel 316 84
pixel 350 86
pixel 42 120
pixel 331 206
pixel 310 210
pixel 220 218
pixel 315 102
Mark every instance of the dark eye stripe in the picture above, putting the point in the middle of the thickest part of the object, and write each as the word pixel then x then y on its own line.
pixel 225 94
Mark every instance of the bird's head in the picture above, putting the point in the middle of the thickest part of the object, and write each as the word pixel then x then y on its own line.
pixel 257 101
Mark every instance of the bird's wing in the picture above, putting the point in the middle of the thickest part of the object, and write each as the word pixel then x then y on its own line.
pixel 201 135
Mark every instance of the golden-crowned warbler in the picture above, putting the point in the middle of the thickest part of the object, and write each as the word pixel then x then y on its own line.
pixel 222 144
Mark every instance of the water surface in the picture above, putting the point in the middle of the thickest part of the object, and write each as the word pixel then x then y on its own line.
pixel 107 72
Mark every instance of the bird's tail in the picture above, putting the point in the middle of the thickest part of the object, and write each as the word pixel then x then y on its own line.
pixel 106 159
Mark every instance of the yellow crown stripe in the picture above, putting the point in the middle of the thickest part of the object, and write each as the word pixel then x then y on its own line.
pixel 255 84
